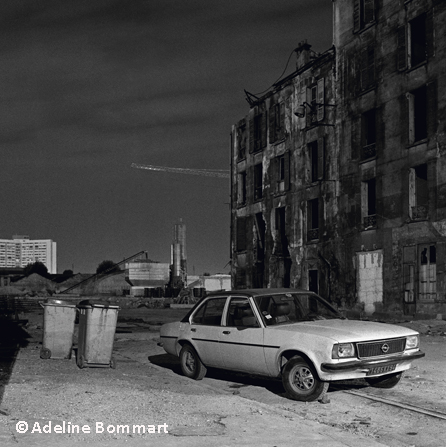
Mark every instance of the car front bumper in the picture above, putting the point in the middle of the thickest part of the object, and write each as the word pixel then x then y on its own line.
pixel 365 365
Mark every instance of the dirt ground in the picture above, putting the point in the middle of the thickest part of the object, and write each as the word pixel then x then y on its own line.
pixel 147 388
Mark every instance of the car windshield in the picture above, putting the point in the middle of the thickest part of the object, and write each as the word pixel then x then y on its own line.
pixel 289 308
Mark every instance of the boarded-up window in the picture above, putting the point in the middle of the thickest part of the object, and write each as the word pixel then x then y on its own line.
pixel 428 272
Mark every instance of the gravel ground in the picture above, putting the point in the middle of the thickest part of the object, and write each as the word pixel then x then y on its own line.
pixel 140 392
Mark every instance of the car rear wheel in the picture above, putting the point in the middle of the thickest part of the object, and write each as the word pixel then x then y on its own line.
pixel 301 381
pixel 387 381
pixel 191 365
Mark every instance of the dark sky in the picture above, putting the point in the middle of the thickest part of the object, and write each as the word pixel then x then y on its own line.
pixel 89 87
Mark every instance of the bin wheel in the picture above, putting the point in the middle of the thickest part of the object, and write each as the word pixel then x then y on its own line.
pixel 113 363
pixel 81 362
pixel 45 353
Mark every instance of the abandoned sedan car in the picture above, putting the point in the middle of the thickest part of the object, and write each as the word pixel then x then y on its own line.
pixel 290 334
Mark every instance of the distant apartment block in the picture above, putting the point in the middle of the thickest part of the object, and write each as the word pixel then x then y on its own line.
pixel 21 251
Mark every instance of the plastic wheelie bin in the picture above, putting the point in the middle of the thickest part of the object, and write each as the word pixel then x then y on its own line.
pixel 58 329
pixel 97 327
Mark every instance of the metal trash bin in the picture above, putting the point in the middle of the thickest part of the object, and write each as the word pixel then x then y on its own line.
pixel 97 327
pixel 58 329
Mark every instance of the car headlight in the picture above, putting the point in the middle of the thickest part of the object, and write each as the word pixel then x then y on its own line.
pixel 343 350
pixel 412 342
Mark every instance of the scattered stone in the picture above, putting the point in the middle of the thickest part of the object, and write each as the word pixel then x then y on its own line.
pixel 324 399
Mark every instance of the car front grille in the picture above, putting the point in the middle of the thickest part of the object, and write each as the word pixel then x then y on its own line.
pixel 381 348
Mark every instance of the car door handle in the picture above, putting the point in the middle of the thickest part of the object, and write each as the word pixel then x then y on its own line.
pixel 226 332
pixel 192 329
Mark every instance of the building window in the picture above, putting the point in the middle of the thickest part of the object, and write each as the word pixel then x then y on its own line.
pixel 428 272
pixel 313 219
pixel 316 152
pixel 363 14
pixel 277 122
pixel 281 247
pixel 257 132
pixel 258 181
pixel 313 281
pixel 282 167
pixel 240 237
pixel 368 194
pixel 368 134
pixel 367 68
pixel 417 40
pixel 316 99
pixel 241 196
pixel 418 192
pixel 260 231
pixel 241 139
pixel 417 114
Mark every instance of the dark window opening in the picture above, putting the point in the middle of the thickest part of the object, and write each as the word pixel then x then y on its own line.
pixel 418 41
pixel 368 124
pixel 313 285
pixel 367 68
pixel 313 219
pixel 371 197
pixel 258 181
pixel 282 239
pixel 260 237
pixel 420 113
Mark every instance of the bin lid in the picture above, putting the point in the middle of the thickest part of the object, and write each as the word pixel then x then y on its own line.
pixel 54 302
pixel 96 303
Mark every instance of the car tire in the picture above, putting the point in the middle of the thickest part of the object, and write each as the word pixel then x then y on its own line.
pixel 191 365
pixel 301 381
pixel 387 381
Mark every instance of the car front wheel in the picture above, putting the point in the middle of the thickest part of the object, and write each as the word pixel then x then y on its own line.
pixel 301 381
pixel 191 365
pixel 387 381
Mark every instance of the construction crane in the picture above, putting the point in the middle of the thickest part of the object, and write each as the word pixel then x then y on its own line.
pixel 221 173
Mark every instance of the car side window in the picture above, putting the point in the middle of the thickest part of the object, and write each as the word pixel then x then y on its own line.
pixel 240 314
pixel 210 312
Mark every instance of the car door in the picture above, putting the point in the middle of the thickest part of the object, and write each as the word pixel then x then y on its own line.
pixel 241 339
pixel 205 329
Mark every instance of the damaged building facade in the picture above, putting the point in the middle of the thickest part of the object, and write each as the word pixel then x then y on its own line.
pixel 339 171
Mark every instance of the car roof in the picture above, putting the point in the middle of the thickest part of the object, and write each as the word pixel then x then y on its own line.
pixel 258 292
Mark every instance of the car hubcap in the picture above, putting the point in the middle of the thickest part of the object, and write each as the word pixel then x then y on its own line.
pixel 190 362
pixel 303 379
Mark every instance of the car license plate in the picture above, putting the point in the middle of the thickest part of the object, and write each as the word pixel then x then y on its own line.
pixel 380 370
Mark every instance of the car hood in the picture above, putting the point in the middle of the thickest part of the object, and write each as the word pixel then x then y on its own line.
pixel 345 330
